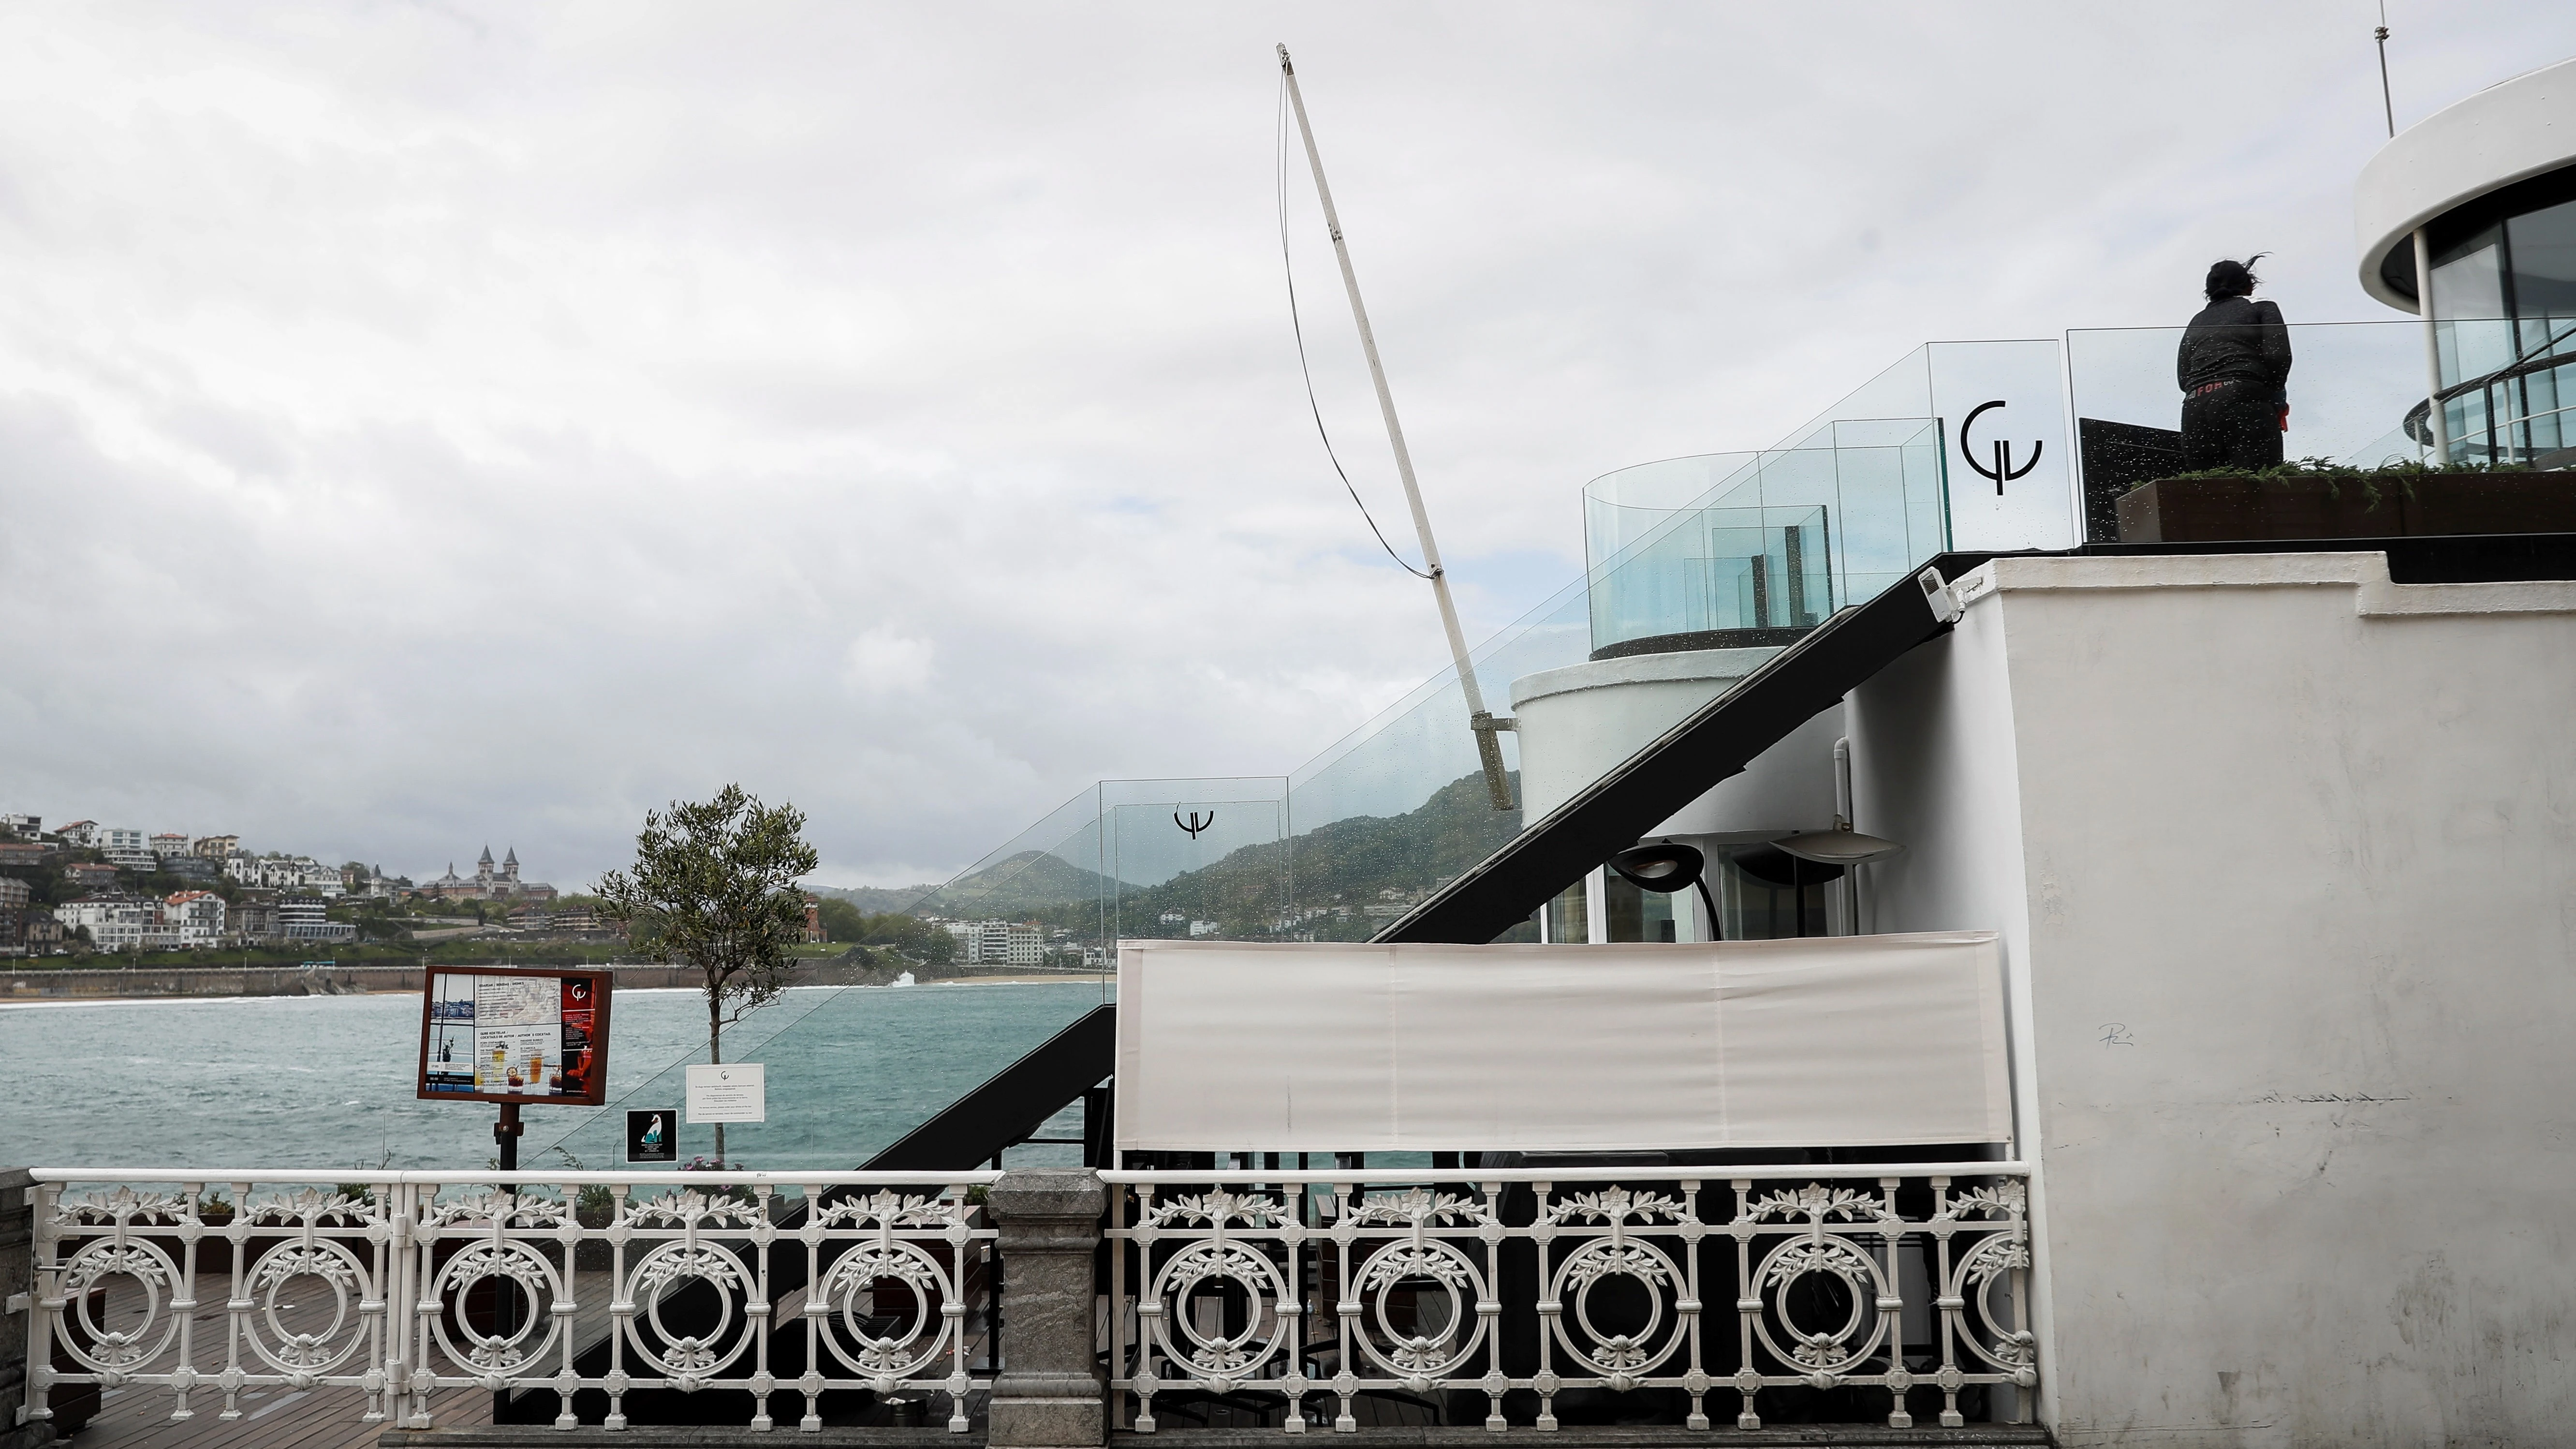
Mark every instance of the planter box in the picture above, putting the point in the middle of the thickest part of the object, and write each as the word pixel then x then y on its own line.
pixel 2211 510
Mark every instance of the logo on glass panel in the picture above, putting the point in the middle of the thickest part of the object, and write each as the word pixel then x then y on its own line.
pixel 2003 471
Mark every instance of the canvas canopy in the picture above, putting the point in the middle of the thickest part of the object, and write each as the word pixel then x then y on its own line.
pixel 1848 1041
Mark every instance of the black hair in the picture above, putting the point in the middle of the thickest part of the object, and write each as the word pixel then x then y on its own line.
pixel 2232 279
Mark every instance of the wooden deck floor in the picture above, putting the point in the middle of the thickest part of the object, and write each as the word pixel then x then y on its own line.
pixel 139 1418
pixel 138 1415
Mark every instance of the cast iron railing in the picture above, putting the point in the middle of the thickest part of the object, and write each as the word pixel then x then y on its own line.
pixel 392 1286
pixel 1293 1297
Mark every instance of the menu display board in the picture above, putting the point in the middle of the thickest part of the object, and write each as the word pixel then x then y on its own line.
pixel 515 1034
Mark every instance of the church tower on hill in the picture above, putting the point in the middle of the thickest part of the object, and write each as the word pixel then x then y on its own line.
pixel 490 882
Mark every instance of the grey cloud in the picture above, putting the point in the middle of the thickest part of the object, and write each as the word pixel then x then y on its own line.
pixel 421 425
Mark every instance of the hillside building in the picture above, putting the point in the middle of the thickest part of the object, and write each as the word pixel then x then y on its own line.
pixel 197 917
pixel 307 918
pixel 115 922
pixel 488 883
pixel 126 849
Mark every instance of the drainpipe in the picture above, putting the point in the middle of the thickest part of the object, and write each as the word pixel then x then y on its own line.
pixel 2433 415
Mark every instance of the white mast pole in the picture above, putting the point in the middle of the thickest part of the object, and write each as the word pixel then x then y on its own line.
pixel 1488 751
pixel 2434 417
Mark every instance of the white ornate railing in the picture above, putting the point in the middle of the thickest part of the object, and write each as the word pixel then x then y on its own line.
pixel 1271 1287
pixel 397 1285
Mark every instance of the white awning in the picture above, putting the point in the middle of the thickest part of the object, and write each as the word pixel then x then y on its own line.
pixel 1847 1041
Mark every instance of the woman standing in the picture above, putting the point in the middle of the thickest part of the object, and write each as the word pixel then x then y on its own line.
pixel 2233 365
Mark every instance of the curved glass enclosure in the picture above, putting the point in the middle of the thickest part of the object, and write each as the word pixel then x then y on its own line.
pixel 2504 310
pixel 1728 550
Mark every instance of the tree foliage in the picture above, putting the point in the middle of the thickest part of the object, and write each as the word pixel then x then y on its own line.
pixel 714 887
pixel 842 921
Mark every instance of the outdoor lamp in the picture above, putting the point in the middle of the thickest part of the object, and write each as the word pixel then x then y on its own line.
pixel 1841 845
pixel 1668 867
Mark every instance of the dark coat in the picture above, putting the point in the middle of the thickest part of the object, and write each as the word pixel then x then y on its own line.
pixel 2234 339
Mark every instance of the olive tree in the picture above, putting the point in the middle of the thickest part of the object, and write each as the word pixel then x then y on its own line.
pixel 714 888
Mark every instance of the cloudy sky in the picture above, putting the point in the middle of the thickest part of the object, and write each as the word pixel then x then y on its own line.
pixel 431 424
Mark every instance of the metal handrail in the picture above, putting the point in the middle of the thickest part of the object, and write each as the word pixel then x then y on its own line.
pixel 1699 1172
pixel 984 1177
pixel 2545 358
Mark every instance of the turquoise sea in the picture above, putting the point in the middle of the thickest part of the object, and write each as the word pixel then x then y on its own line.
pixel 326 1082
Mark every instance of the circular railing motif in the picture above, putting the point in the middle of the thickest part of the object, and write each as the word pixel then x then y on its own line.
pixel 890 1356
pixel 1217 1354
pixel 1416 1355
pixel 104 1350
pixel 514 1267
pixel 1821 1351
pixel 309 1354
pixel 1993 1261
pixel 649 1284
pixel 1618 1357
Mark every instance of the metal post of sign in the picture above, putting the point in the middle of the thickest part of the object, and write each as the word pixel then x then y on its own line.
pixel 505 1304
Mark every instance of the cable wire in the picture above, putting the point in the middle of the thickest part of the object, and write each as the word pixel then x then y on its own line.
pixel 1289 269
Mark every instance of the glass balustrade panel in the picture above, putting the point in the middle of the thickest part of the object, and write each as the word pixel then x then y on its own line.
pixel 1198 859
pixel 1776 541
pixel 2356 393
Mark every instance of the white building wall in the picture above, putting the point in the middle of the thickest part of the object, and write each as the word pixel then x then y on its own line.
pixel 1935 768
pixel 115 924
pixel 2296 873
pixel 198 916
pixel 2481 143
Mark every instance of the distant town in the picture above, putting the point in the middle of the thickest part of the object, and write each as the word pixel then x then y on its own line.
pixel 84 889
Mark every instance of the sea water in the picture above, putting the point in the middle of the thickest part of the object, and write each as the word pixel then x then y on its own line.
pixel 326 1082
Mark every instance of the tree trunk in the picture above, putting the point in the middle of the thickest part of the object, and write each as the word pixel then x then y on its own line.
pixel 715 1050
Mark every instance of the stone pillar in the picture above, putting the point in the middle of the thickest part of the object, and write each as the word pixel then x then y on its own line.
pixel 1049 1392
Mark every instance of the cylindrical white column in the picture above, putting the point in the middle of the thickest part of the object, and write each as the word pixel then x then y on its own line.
pixel 2434 415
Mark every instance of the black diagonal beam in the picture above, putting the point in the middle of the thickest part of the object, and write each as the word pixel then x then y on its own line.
pixel 1715 742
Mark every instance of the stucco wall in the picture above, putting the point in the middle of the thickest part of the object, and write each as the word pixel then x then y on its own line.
pixel 1934 769
pixel 2299 860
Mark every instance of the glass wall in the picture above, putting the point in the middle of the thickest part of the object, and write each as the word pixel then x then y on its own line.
pixel 1359 835
pixel 2504 308
pixel 2352 388
pixel 1196 859
pixel 849 1070
pixel 1736 549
